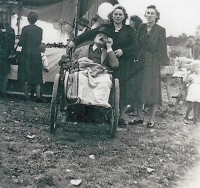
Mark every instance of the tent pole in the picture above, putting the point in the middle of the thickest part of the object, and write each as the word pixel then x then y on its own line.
pixel 77 16
pixel 19 17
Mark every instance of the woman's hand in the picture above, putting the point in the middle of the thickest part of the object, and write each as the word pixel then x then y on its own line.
pixel 118 52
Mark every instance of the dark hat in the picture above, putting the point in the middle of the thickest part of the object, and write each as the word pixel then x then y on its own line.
pixel 105 31
pixel 83 21
pixel 136 18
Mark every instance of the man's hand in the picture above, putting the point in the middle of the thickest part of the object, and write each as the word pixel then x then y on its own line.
pixel 118 52
pixel 109 43
pixel 70 45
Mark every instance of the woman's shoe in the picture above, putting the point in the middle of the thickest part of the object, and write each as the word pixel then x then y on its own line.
pixel 150 125
pixel 121 123
pixel 135 122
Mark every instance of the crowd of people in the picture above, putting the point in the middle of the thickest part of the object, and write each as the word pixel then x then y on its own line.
pixel 139 51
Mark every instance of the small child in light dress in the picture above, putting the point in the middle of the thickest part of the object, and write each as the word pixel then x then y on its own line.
pixel 45 64
pixel 193 94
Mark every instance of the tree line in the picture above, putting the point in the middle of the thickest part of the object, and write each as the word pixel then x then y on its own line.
pixel 180 46
pixel 181 40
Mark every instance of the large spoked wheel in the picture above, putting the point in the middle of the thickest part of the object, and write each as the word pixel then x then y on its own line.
pixel 115 108
pixel 55 103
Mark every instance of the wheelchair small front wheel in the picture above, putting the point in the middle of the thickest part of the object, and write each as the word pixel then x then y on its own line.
pixel 55 103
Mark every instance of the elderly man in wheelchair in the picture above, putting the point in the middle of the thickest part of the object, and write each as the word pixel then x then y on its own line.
pixel 87 81
pixel 90 81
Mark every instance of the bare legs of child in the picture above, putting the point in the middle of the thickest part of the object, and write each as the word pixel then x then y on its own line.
pixel 190 106
pixel 196 112
pixel 183 93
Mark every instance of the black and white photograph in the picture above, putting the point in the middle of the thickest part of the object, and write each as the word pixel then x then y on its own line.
pixel 99 94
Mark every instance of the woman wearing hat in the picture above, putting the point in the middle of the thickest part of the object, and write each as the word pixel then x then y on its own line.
pixel 30 65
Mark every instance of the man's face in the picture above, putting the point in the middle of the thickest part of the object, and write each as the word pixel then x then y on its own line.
pixel 100 40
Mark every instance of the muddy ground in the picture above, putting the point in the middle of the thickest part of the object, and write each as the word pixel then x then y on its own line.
pixel 138 157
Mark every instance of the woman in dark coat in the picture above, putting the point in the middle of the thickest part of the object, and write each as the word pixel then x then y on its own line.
pixel 125 48
pixel 30 65
pixel 152 54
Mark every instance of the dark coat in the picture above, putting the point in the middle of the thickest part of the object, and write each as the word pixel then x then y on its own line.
pixel 152 54
pixel 7 41
pixel 126 40
pixel 30 64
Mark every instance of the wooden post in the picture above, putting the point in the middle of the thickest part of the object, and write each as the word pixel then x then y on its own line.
pixel 77 16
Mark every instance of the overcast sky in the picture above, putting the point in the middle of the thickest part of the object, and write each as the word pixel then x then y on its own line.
pixel 177 16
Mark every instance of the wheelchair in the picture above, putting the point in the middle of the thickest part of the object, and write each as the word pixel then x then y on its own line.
pixel 61 104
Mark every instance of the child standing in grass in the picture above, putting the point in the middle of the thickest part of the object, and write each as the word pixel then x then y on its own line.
pixel 195 53
pixel 45 65
pixel 193 94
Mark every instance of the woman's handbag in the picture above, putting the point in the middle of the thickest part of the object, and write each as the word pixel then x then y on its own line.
pixel 14 56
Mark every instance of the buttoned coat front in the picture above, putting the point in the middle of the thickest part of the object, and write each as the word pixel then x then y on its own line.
pixel 152 54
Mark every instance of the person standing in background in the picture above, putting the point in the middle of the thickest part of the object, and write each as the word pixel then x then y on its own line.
pixel 97 21
pixel 195 52
pixel 30 64
pixel 152 54
pixel 135 21
pixel 193 97
pixel 82 25
pixel 7 41
pixel 125 48
pixel 45 68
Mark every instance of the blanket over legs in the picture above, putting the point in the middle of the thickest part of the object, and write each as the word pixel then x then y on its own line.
pixel 90 85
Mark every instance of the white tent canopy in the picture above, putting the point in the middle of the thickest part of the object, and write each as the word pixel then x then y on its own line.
pixel 63 12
